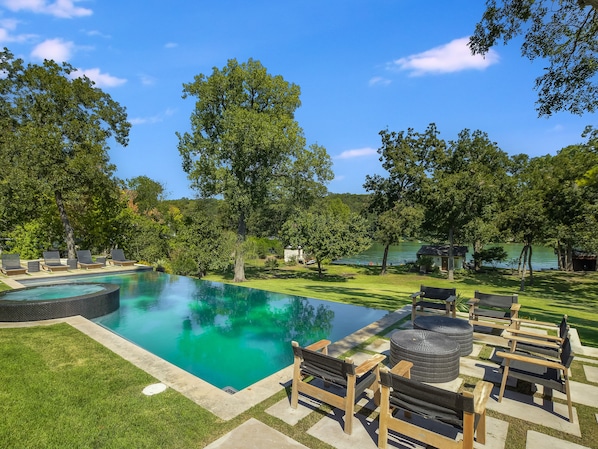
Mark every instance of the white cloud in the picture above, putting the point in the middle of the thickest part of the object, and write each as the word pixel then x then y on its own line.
pixel 97 33
pixel 153 119
pixel 379 81
pixel 452 57
pixel 65 9
pixel 6 28
pixel 360 152
pixel 147 80
pixel 100 79
pixel 56 49
pixel 171 45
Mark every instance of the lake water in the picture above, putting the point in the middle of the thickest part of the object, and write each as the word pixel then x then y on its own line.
pixel 543 258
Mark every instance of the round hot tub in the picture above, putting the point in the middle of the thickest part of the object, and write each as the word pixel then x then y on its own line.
pixel 46 302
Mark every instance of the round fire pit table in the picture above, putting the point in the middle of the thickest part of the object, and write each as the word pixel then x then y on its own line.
pixel 455 329
pixel 435 358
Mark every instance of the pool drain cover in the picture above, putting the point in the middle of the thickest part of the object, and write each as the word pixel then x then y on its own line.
pixel 150 390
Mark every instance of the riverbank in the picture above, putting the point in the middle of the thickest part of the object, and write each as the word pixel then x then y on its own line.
pixel 543 256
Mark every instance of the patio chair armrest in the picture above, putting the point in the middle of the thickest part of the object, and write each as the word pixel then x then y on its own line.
pixel 318 345
pixel 369 364
pixel 403 368
pixel 515 307
pixel 415 295
pixel 532 360
pixel 535 341
pixel 535 322
pixel 451 298
pixel 473 301
pixel 481 393
pixel 518 333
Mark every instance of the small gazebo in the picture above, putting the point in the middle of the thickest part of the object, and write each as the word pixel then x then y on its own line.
pixel 440 255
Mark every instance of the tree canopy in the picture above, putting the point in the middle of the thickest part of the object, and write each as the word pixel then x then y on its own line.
pixel 245 144
pixel 564 33
pixel 328 233
pixel 54 132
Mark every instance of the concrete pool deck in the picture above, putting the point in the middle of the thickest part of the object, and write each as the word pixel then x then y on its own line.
pixel 255 434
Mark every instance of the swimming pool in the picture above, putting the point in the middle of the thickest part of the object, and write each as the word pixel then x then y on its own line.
pixel 229 336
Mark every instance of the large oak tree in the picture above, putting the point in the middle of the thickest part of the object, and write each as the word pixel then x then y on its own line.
pixel 54 134
pixel 245 144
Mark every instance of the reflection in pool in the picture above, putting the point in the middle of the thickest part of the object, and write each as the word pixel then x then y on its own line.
pixel 225 334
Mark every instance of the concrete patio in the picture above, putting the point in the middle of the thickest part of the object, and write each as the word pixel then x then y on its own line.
pixel 365 434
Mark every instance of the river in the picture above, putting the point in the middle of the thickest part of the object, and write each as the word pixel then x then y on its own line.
pixel 543 258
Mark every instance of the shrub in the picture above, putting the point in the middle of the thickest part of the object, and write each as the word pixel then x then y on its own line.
pixel 271 263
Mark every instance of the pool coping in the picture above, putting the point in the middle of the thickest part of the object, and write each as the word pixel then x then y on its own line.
pixel 222 404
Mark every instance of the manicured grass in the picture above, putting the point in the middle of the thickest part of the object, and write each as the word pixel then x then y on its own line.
pixel 552 295
pixel 59 388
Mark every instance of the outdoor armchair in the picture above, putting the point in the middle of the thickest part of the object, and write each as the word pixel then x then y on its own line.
pixel 551 374
pixel 314 371
pixel 444 412
pixel 434 298
pixel 496 311
pixel 522 340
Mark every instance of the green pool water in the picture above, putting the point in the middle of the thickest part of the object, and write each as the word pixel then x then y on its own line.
pixel 229 336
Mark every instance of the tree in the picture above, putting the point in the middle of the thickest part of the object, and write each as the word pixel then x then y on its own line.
pixel 564 33
pixel 54 133
pixel 570 207
pixel 526 216
pixel 466 183
pixel 245 144
pixel 328 234
pixel 200 245
pixel 406 158
pixel 146 194
pixel 394 224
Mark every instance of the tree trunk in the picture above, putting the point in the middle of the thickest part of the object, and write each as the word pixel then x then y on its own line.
pixel 522 257
pixel 239 250
pixel 477 248
pixel 319 268
pixel 451 256
pixel 560 256
pixel 569 266
pixel 529 264
pixel 66 224
pixel 384 259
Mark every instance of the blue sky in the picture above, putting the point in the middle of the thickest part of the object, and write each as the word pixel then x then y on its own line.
pixel 362 65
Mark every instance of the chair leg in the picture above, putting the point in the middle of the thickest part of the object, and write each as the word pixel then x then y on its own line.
pixel 295 385
pixel 569 405
pixel 504 380
pixel 384 417
pixel 481 429
pixel 350 404
pixel 468 431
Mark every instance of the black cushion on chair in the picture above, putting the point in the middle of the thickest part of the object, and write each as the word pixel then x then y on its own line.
pixel 427 401
pixel 333 370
